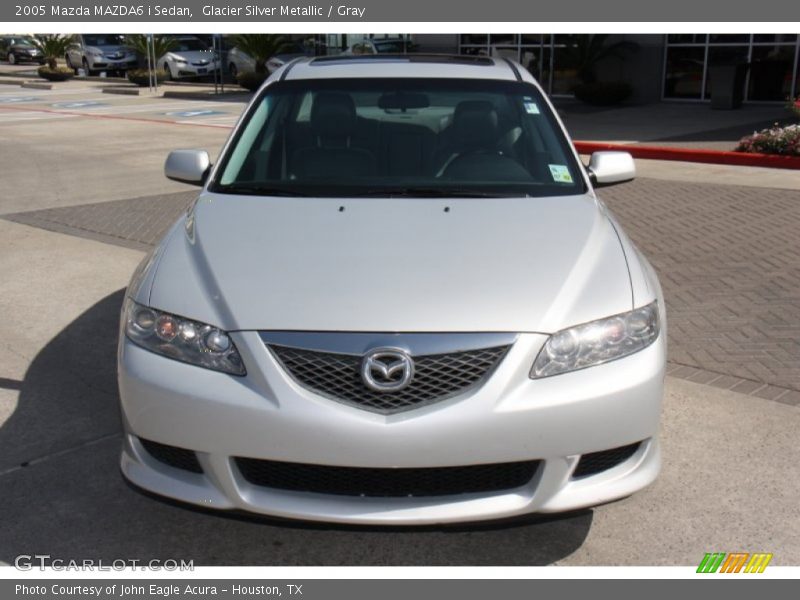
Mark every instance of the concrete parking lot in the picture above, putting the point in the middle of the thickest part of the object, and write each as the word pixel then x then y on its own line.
pixel 84 197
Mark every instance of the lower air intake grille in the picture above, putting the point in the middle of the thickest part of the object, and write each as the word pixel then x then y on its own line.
pixel 387 483
pixel 597 462
pixel 172 456
pixel 436 377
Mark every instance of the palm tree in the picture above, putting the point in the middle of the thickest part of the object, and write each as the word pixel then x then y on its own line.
pixel 52 46
pixel 161 44
pixel 588 50
pixel 260 47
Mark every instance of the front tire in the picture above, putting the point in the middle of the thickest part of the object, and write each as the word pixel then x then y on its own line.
pixel 12 60
pixel 232 70
pixel 86 68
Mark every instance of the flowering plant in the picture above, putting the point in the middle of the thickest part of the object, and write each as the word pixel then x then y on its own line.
pixel 794 106
pixel 774 140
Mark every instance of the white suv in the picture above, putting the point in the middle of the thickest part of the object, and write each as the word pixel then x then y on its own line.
pixel 396 300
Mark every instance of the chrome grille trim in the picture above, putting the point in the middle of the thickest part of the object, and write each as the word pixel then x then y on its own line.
pixel 446 365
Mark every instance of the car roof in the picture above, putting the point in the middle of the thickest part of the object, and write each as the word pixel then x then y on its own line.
pixel 402 65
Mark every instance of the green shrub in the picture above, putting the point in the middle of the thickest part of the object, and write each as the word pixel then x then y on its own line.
pixel 141 77
pixel 251 80
pixel 603 93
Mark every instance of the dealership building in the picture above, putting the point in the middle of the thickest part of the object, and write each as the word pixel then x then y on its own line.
pixel 674 67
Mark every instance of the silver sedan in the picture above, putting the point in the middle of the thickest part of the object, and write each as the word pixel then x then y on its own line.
pixel 397 299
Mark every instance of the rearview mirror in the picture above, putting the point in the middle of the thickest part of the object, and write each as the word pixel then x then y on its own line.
pixel 187 166
pixel 609 168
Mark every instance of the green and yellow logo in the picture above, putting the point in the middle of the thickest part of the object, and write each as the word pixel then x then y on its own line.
pixel 734 562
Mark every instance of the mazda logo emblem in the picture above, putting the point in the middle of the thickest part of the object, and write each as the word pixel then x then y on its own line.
pixel 387 369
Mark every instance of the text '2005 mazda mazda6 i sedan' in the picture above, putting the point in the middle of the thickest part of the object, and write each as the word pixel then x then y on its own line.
pixel 396 300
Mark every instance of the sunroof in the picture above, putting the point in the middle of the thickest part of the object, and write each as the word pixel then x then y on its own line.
pixel 411 58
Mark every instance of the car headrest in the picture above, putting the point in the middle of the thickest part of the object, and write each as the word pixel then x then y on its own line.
pixel 333 114
pixel 475 123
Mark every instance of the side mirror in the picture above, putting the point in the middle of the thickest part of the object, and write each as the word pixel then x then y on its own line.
pixel 609 168
pixel 187 166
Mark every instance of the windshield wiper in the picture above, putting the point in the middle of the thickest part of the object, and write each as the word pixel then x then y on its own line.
pixel 431 192
pixel 256 189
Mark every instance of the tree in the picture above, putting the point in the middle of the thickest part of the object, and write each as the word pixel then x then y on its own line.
pixel 260 47
pixel 53 47
pixel 161 45
pixel 588 50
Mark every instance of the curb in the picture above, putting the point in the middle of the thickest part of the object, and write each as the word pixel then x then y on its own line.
pixel 35 85
pixel 124 91
pixel 189 95
pixel 742 159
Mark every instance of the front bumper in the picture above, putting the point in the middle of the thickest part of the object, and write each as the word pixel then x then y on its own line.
pixel 510 418
pixel 190 70
pixel 108 64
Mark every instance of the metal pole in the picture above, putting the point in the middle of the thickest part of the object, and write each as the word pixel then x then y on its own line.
pixel 155 59
pixel 219 65
pixel 150 70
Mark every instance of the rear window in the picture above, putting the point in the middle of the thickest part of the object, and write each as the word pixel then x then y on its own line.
pixel 389 137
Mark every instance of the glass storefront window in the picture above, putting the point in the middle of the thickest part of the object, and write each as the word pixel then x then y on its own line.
pixel 771 73
pixel 474 38
pixel 770 59
pixel 565 71
pixel 686 38
pixel 729 38
pixel 775 38
pixel 797 77
pixel 684 73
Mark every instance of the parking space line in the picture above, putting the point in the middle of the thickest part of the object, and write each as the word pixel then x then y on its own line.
pixel 112 117
pixel 31 116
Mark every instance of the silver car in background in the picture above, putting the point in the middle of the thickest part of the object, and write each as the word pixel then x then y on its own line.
pixel 99 52
pixel 397 299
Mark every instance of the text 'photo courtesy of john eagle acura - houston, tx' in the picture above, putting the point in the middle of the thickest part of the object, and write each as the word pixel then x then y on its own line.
pixel 396 300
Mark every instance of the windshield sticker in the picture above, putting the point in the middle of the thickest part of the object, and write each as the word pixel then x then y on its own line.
pixel 560 173
pixel 531 107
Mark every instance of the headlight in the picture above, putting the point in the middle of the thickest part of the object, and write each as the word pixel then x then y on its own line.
pixel 597 342
pixel 182 339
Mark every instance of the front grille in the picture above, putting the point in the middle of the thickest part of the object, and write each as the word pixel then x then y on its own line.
pixel 436 377
pixel 597 462
pixel 173 456
pixel 387 483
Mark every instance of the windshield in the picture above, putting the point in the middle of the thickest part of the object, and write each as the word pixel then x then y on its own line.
pixel 393 137
pixel 108 39
pixel 20 41
pixel 189 45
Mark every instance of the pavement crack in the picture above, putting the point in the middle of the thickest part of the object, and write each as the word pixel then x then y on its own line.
pixel 45 457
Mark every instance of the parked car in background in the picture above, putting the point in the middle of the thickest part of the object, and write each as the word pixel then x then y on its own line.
pixel 396 45
pixel 189 57
pixel 97 52
pixel 239 62
pixel 19 49
pixel 296 51
pixel 397 299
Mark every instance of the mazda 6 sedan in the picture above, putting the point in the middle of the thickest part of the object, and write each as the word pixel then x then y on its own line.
pixel 397 299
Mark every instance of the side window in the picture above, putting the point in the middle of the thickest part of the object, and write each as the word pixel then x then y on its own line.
pixel 304 112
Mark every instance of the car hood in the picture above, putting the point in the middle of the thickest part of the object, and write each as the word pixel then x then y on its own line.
pixel 110 49
pixel 194 55
pixel 405 265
